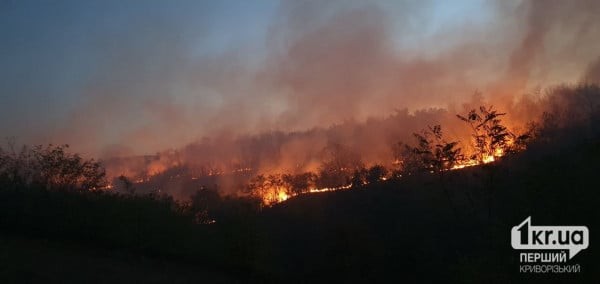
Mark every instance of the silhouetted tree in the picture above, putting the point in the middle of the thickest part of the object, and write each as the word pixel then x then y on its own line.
pixel 277 186
pixel 338 166
pixel 127 184
pixel 491 139
pixel 489 134
pixel 376 173
pixel 203 205
pixel 519 142
pixel 51 167
pixel 436 155
pixel 299 183
pixel 359 178
pixel 269 188
pixel 407 160
pixel 257 186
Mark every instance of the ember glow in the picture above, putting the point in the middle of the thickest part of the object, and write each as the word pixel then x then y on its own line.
pixel 277 195
pixel 327 189
pixel 498 153
pixel 472 162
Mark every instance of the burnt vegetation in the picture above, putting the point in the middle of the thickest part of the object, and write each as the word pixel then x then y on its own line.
pixel 447 206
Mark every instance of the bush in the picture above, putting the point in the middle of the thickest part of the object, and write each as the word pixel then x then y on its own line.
pixel 51 167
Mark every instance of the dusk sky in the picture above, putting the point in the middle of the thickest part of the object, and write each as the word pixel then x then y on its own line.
pixel 143 76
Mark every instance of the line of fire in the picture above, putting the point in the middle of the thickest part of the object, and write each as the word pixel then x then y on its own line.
pixel 429 153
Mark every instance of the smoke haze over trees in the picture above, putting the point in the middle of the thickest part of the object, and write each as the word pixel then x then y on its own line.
pixel 157 78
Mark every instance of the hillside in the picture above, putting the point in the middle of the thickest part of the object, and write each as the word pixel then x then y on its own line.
pixel 408 230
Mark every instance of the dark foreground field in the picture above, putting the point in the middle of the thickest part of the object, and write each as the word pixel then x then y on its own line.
pixel 411 231
pixel 454 229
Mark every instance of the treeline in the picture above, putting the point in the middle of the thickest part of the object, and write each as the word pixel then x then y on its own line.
pixel 566 107
pixel 51 167
pixel 217 160
pixel 431 153
pixel 48 192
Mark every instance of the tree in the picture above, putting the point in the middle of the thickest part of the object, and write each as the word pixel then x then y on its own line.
pixel 127 184
pixel 359 178
pixel 436 155
pixel 491 140
pixel 376 173
pixel 51 167
pixel 490 136
pixel 408 162
pixel 338 166
pixel 257 186
pixel 277 189
pixel 299 183
pixel 271 189
pixel 203 205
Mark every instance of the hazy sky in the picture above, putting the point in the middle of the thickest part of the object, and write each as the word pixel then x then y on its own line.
pixel 149 75
pixel 52 51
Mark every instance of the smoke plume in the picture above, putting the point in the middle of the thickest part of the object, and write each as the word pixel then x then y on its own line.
pixel 361 75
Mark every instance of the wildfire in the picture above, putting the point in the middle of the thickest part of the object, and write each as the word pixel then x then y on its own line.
pixel 275 195
pixel 222 172
pixel 282 196
pixel 106 187
pixel 279 194
pixel 327 189
pixel 273 192
pixel 465 164
pixel 488 159
pixel 499 152
pixel 242 170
